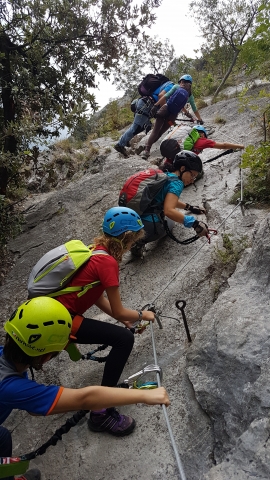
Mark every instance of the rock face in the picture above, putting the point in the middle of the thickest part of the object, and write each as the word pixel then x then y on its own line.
pixel 218 385
pixel 228 366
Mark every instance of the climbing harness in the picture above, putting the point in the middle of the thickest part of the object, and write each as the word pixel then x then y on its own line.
pixel 188 240
pixel 75 354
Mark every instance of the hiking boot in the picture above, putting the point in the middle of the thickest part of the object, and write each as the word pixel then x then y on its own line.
pixel 111 421
pixel 33 474
pixel 139 149
pixel 120 149
pixel 145 155
pixel 138 251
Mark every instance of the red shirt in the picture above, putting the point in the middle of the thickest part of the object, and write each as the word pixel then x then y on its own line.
pixel 203 143
pixel 100 267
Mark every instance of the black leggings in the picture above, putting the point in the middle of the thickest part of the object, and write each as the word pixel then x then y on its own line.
pixel 119 338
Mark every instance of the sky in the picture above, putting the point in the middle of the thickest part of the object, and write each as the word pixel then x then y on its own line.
pixel 173 22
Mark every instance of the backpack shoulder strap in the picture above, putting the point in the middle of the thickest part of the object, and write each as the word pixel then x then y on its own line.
pixel 82 289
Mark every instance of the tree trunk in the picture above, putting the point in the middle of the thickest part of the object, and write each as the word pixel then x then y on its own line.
pixel 236 53
pixel 8 107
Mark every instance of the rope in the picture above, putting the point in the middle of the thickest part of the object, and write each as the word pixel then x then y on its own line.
pixel 70 423
pixel 91 356
pixel 181 242
pixel 174 446
pixel 24 459
pixel 194 255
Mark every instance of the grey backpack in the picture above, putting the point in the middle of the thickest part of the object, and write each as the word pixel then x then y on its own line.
pixel 55 269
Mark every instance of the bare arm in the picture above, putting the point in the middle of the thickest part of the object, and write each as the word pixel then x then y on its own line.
pixel 104 305
pixel 171 203
pixel 161 93
pixel 197 115
pixel 95 398
pixel 224 146
pixel 119 312
pixel 181 205
pixel 187 113
pixel 161 101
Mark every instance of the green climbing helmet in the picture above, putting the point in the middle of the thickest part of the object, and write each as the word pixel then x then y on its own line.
pixel 40 325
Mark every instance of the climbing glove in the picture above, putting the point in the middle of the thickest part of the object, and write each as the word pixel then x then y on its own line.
pixel 201 229
pixel 196 209
pixel 200 122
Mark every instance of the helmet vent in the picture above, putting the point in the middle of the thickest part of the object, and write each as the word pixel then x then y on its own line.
pixel 46 324
pixel 21 313
pixel 31 326
pixel 61 322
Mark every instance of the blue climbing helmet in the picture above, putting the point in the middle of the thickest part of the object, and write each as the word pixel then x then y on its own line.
pixel 118 220
pixel 187 78
pixel 200 128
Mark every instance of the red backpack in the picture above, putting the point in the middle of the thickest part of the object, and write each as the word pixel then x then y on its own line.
pixel 140 190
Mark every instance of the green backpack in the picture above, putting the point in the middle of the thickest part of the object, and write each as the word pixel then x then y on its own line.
pixel 56 268
pixel 191 139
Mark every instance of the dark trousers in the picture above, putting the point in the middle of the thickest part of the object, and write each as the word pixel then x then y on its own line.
pixel 119 338
pixel 154 231
pixel 5 445
pixel 163 122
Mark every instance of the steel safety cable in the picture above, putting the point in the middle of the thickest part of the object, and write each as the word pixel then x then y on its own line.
pixel 194 255
pixel 164 408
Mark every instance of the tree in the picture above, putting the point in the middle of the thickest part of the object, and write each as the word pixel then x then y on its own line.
pixel 153 56
pixel 255 51
pixel 226 22
pixel 50 51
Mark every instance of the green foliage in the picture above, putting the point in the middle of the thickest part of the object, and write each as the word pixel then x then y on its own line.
pixel 50 53
pixel 154 56
pixel 225 25
pixel 112 119
pixel 10 220
pixel 220 120
pixel 255 51
pixel 257 185
pixel 231 250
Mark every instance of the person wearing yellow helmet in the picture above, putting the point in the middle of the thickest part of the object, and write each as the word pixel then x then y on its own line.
pixel 35 333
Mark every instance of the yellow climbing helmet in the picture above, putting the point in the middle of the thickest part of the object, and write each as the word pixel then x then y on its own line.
pixel 40 325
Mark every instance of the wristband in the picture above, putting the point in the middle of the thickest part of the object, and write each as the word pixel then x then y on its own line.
pixel 187 207
pixel 188 221
pixel 140 315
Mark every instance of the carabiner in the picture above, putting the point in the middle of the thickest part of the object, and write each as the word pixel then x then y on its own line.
pixel 138 375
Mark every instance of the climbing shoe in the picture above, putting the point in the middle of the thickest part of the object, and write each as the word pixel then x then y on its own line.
pixel 145 155
pixel 111 421
pixel 33 474
pixel 138 251
pixel 120 149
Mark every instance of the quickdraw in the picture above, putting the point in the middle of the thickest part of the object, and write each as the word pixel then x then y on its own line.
pixel 188 240
pixel 138 381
